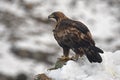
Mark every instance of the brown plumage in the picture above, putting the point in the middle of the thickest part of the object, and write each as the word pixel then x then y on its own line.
pixel 75 35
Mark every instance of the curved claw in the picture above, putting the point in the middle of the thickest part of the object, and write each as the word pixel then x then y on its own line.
pixel 75 58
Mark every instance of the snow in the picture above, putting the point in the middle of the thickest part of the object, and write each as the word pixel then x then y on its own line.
pixel 109 69
pixel 9 63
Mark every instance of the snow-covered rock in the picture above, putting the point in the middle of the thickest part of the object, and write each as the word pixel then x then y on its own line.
pixel 109 69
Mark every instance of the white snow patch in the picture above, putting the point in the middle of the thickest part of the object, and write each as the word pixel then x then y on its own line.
pixel 11 65
pixel 109 69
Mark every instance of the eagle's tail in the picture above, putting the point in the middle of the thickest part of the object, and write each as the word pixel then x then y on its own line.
pixel 93 55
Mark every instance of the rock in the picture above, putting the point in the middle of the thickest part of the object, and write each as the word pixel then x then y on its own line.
pixel 42 77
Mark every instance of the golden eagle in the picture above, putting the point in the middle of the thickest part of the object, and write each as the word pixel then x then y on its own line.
pixel 71 34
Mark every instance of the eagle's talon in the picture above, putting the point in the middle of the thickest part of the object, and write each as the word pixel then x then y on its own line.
pixel 64 58
pixel 74 58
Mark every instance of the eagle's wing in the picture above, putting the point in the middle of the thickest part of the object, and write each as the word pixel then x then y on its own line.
pixel 87 37
pixel 74 34
pixel 83 28
pixel 84 36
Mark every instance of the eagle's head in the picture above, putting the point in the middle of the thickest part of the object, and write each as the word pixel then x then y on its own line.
pixel 58 16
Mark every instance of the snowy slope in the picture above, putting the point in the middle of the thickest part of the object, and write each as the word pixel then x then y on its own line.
pixel 109 69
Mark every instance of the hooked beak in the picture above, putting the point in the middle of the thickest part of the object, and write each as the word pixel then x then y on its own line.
pixel 50 16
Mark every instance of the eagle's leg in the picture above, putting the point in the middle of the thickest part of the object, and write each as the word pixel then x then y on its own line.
pixel 76 57
pixel 65 54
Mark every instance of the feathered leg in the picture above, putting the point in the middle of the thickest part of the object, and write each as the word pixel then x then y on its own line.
pixel 78 53
pixel 65 54
pixel 75 58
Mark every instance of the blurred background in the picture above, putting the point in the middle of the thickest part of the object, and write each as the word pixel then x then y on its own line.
pixel 27 45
